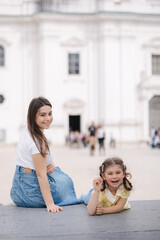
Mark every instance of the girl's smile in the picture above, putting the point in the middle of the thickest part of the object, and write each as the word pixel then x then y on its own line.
pixel 113 176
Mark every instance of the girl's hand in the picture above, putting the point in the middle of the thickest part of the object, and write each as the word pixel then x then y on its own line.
pixel 50 168
pixel 99 209
pixel 54 208
pixel 97 184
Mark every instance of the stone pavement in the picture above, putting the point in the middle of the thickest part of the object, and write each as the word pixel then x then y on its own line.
pixel 142 162
pixel 141 222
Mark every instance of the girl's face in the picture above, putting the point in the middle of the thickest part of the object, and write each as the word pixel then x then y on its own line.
pixel 113 176
pixel 44 117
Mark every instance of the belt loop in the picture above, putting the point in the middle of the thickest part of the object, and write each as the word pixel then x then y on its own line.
pixel 18 168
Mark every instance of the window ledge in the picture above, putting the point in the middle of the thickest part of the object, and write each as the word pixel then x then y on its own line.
pixel 73 79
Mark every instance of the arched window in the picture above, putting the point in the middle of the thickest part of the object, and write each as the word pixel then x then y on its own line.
pixel 2 56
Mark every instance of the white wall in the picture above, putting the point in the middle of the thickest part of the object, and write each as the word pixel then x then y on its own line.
pixel 114 51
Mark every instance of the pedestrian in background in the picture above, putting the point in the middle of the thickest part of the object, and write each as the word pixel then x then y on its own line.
pixel 101 138
pixel 92 138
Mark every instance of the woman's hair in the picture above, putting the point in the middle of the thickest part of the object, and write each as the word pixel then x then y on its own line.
pixel 37 135
pixel 115 161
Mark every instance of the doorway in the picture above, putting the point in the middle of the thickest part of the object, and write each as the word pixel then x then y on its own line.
pixel 74 123
pixel 154 113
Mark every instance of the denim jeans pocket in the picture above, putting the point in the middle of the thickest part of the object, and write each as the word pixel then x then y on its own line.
pixel 30 192
pixel 31 186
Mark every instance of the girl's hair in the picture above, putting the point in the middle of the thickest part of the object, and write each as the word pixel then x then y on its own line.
pixel 37 135
pixel 115 161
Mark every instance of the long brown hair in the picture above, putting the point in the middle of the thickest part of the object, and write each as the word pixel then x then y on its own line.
pixel 116 161
pixel 37 135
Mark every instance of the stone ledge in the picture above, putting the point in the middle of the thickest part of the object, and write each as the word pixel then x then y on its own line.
pixel 141 222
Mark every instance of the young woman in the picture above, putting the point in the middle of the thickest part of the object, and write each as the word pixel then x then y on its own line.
pixel 37 182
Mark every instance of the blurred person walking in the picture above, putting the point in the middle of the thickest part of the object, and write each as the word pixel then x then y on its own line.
pixel 101 138
pixel 92 138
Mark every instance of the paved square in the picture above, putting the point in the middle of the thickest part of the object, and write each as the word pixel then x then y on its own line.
pixel 142 162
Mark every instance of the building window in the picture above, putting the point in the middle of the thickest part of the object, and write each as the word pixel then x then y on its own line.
pixel 2 56
pixel 1 98
pixel 73 63
pixel 155 64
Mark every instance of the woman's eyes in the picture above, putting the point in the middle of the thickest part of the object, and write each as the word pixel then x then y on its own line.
pixel 43 114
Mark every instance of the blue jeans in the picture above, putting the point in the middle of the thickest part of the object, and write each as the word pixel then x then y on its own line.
pixel 25 191
pixel 85 197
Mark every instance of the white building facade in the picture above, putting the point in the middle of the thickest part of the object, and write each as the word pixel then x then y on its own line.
pixel 95 60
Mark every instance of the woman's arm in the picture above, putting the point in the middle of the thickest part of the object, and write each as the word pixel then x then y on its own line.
pixel 112 209
pixel 41 171
pixel 91 208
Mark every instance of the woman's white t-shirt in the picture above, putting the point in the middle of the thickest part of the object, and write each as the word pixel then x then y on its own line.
pixel 26 148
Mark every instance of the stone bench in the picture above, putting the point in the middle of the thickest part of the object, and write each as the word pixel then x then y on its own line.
pixel 142 221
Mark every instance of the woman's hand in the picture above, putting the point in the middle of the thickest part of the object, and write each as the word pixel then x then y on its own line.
pixel 54 208
pixel 50 168
pixel 99 209
pixel 97 184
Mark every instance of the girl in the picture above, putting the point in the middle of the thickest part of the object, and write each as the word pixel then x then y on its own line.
pixel 37 182
pixel 111 189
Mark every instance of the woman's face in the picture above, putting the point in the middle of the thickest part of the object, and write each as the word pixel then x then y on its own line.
pixel 44 117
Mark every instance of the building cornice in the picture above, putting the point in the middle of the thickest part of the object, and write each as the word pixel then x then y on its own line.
pixel 84 17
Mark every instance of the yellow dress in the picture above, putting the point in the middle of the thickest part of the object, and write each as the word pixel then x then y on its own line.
pixel 107 199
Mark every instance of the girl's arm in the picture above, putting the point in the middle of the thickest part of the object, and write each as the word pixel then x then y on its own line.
pixel 112 209
pixel 41 171
pixel 91 208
